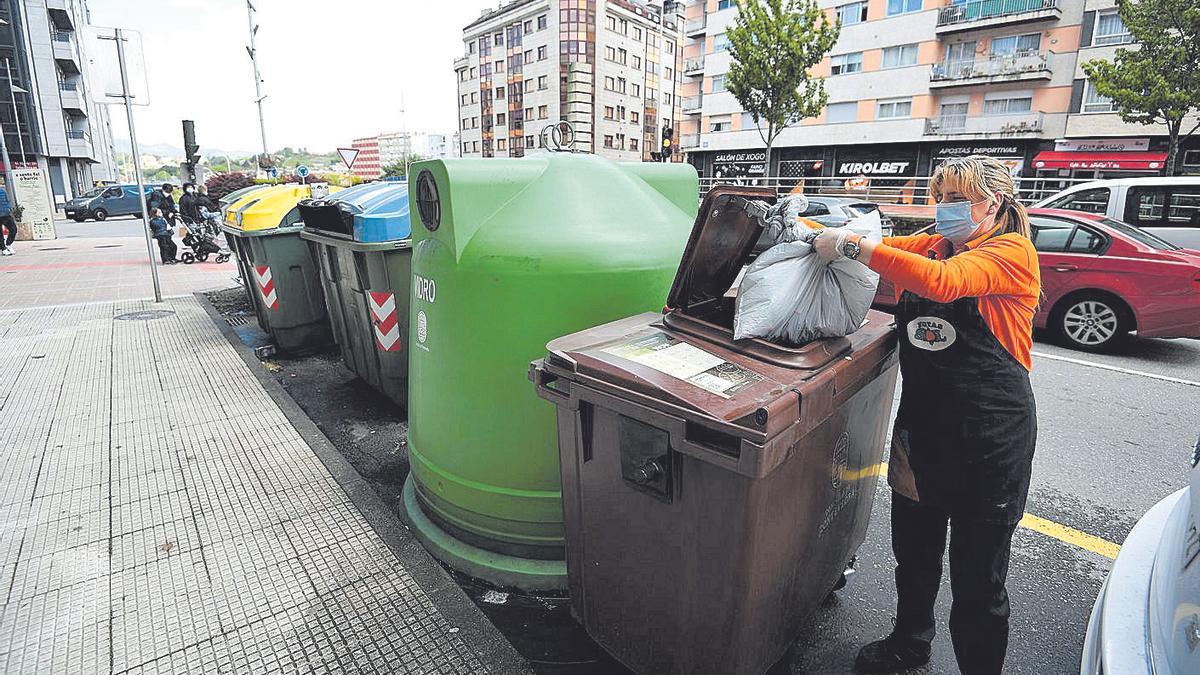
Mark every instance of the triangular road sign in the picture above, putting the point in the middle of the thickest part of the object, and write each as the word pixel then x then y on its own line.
pixel 348 156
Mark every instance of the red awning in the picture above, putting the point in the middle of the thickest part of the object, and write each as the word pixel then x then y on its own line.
pixel 1128 161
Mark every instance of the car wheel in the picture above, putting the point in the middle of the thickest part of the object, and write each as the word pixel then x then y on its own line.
pixel 1091 322
pixel 78 219
pixel 100 215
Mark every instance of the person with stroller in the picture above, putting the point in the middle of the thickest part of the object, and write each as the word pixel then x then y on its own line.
pixel 162 200
pixel 189 205
pixel 6 223
pixel 161 230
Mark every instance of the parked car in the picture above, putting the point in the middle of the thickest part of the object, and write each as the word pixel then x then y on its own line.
pixel 1147 616
pixel 837 211
pixel 1166 207
pixel 1102 278
pixel 104 202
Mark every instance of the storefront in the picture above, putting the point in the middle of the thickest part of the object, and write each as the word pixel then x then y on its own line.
pixel 1090 159
pixel 739 164
pixel 1013 154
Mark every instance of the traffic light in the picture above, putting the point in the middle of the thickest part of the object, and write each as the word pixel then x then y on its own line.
pixel 191 151
pixel 668 146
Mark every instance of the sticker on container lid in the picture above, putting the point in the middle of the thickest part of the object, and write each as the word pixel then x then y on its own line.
pixel 686 362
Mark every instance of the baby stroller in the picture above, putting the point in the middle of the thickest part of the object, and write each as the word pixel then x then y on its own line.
pixel 201 237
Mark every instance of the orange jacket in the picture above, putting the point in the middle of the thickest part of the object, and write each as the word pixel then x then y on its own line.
pixel 1001 271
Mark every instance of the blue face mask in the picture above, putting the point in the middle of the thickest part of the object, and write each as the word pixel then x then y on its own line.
pixel 953 221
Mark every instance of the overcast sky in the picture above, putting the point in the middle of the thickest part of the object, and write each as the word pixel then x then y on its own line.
pixel 332 70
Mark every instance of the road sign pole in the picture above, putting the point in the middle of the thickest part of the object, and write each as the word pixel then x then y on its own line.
pixel 137 162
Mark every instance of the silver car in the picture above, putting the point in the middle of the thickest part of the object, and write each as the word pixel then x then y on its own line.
pixel 836 211
pixel 1147 617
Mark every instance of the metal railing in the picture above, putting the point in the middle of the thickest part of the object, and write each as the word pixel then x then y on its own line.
pixel 996 66
pixel 692 103
pixel 694 66
pixel 62 36
pixel 998 125
pixel 978 10
pixel 689 141
pixel 68 86
pixel 694 26
pixel 906 197
pixel 77 135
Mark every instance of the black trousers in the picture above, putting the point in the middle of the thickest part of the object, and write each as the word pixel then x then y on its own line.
pixel 166 247
pixel 979 555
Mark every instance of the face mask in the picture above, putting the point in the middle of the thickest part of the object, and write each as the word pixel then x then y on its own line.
pixel 190 191
pixel 953 221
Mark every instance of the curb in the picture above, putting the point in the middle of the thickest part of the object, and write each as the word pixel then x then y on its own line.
pixel 475 629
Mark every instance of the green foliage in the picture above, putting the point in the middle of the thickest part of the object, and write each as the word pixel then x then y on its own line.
pixel 773 44
pixel 1158 80
pixel 397 170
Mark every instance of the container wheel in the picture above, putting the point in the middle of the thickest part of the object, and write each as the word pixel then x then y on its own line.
pixel 188 258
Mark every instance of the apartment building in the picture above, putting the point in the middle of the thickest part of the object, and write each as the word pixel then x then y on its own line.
pixel 914 82
pixel 611 68
pixel 46 108
pixel 395 147
pixel 366 164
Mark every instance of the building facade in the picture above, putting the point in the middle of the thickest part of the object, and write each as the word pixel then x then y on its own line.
pixel 611 68
pixel 46 110
pixel 914 82
pixel 366 164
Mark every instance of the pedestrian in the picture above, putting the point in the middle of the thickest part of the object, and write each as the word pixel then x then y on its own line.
pixel 189 208
pixel 8 226
pixel 202 199
pixel 963 441
pixel 161 229
pixel 162 200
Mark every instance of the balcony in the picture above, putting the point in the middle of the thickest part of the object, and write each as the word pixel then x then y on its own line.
pixel 71 99
pixel 695 27
pixel 689 141
pixel 60 14
pixel 79 144
pixel 978 14
pixel 461 62
pixel 692 104
pixel 694 67
pixel 63 45
pixel 985 126
pixel 1005 68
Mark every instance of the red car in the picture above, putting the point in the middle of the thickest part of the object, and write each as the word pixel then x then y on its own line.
pixel 1102 278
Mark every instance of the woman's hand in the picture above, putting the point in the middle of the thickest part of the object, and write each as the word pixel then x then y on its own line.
pixel 827 244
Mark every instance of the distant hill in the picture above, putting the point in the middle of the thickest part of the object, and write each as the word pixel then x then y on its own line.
pixel 176 152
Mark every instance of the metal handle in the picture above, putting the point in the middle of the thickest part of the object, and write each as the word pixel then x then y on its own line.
pixel 542 380
pixel 1065 268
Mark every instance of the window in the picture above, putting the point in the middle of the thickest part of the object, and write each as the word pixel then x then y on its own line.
pixel 855 12
pixel 542 82
pixel 633 144
pixel 609 83
pixel 529 113
pixel 499 67
pixel 499 92
pixel 894 109
pixel 608 141
pixel 748 121
pixel 472 72
pixel 543 112
pixel 500 119
pixel 667 99
pixel 541 22
pixel 718 124
pixel 1191 157
pixel 622 56
pixel 529 142
pixel 1110 30
pixel 1050 235
pixel 474 122
pixel 621 84
pixel 846 63
pixel 1012 103
pixel 1016 45
pixel 529 57
pixel 837 113
pixel 1094 200
pixel 960 56
pixel 528 85
pixel 471 47
pixel 498 39
pixel 1161 206
pixel 636 90
pixel 669 45
pixel 465 98
pixel 898 57
pixel 720 43
pixel 895 7
pixel 466 123
pixel 501 144
pixel 636 62
pixel 610 22
pixel 1095 102
pixel 1139 235
pixel 474 97
pixel 637 33
pixel 541 52
pixel 610 53
pixel 609 113
pixel 718 84
pixel 634 117
pixel 1086 241
pixel 725 4
pixel 528 25
pixel 670 73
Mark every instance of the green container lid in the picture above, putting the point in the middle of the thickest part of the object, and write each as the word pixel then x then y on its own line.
pixel 508 255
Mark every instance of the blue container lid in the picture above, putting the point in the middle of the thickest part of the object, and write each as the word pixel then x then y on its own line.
pixel 379 211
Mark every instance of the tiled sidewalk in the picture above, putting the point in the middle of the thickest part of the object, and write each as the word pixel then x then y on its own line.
pixel 159 513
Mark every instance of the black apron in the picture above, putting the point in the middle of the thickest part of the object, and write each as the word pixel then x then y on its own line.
pixel 967 423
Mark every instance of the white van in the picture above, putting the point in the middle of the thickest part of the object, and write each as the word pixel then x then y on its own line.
pixel 1166 207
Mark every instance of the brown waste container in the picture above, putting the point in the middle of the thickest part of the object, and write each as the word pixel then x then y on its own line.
pixel 714 491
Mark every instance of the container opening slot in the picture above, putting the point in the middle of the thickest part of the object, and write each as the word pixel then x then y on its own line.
pixel 726 444
pixel 587 415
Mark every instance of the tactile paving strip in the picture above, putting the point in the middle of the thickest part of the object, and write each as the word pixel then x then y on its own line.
pixel 163 516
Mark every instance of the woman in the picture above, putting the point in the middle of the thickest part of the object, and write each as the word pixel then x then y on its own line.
pixel 963 443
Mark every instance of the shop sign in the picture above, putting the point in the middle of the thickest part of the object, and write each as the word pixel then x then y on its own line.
pixel 740 164
pixel 875 168
pixel 1103 145
pixel 993 149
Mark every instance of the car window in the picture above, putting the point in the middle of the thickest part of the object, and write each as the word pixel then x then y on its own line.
pixel 1183 206
pixel 1144 205
pixel 1094 200
pixel 1140 235
pixel 816 209
pixel 112 192
pixel 1086 241
pixel 1050 235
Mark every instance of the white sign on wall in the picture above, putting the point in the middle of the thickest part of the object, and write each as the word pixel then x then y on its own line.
pixel 1103 145
pixel 33 194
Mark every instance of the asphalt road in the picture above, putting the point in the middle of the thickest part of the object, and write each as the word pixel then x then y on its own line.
pixel 122 226
pixel 1110 445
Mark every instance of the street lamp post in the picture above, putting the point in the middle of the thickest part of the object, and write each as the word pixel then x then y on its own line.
pixel 258 95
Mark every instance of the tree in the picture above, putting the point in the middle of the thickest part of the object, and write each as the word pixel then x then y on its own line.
pixel 773 44
pixel 397 169
pixel 1158 81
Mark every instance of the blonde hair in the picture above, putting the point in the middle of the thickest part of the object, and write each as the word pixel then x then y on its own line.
pixel 979 177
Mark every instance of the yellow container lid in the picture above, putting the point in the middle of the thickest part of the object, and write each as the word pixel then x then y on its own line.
pixel 268 208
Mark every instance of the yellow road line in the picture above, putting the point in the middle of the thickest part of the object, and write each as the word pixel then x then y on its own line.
pixel 1069 535
pixel 1083 540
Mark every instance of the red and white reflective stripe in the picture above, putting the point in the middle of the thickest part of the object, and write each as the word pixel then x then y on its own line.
pixel 266 286
pixel 385 320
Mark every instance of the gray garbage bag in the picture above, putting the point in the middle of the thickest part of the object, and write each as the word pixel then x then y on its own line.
pixel 781 225
pixel 790 295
